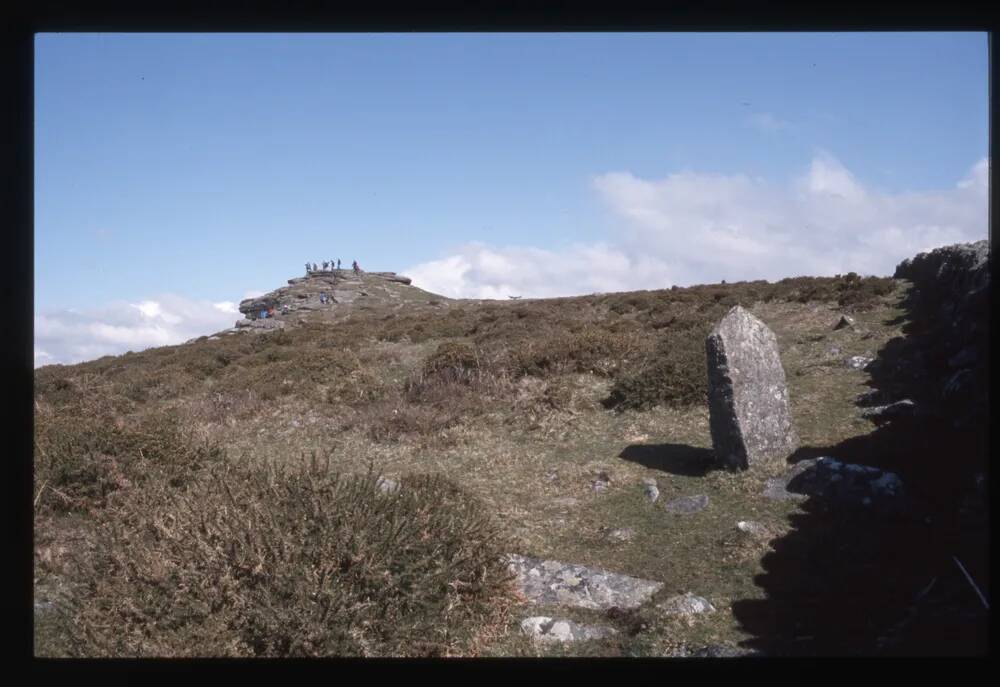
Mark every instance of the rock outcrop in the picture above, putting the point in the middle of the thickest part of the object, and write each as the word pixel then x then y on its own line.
pixel 303 294
pixel 749 413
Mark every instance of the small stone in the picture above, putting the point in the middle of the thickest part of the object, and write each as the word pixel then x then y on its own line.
pixel 687 505
pixel 651 492
pixel 547 629
pixel 686 605
pixel 859 362
pixel 753 528
pixel 893 411
pixel 386 485
pixel 621 535
pixel 845 321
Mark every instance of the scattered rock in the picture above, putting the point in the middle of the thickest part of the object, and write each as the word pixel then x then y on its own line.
pixel 621 535
pixel 650 490
pixel 749 415
pixel 859 362
pixel 844 322
pixel 754 529
pixel 904 409
pixel 687 505
pixel 686 605
pixel 545 629
pixel 386 485
pixel 552 582
pixel 601 482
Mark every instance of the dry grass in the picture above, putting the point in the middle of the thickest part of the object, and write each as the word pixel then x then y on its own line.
pixel 510 400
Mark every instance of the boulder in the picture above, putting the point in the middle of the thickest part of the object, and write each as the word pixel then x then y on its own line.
pixel 859 362
pixel 552 582
pixel 846 484
pixel 748 406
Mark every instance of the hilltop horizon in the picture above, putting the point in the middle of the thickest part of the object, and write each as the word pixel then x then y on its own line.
pixel 176 174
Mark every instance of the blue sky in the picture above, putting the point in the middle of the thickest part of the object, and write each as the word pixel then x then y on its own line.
pixel 194 169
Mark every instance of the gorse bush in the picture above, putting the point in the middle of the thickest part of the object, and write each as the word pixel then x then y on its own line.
pixel 83 459
pixel 260 560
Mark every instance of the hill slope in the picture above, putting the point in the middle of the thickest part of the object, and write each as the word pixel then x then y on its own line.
pixel 525 406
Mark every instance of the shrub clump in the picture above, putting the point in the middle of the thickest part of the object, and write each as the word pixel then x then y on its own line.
pixel 260 560
pixel 675 375
pixel 81 460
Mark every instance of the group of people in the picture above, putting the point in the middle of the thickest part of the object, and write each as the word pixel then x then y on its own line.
pixel 327 265
pixel 331 265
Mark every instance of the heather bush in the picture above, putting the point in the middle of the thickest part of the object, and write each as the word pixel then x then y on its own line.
pixel 256 559
pixel 675 374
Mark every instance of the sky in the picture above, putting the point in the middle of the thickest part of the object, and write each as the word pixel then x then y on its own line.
pixel 176 174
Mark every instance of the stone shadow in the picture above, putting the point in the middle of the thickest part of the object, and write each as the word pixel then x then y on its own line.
pixel 853 581
pixel 677 459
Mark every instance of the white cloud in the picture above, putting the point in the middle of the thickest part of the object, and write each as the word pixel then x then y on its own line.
pixel 693 228
pixel 481 271
pixel 71 336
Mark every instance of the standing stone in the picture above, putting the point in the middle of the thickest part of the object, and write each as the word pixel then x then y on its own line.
pixel 747 397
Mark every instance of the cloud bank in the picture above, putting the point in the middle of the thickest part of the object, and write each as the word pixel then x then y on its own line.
pixel 691 228
pixel 71 336
pixel 687 228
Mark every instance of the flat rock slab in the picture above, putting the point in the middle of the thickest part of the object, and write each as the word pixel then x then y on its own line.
pixel 552 582
pixel 545 629
pixel 686 505
pixel 837 481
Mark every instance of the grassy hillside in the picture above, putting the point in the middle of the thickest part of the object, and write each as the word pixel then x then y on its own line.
pixel 218 497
